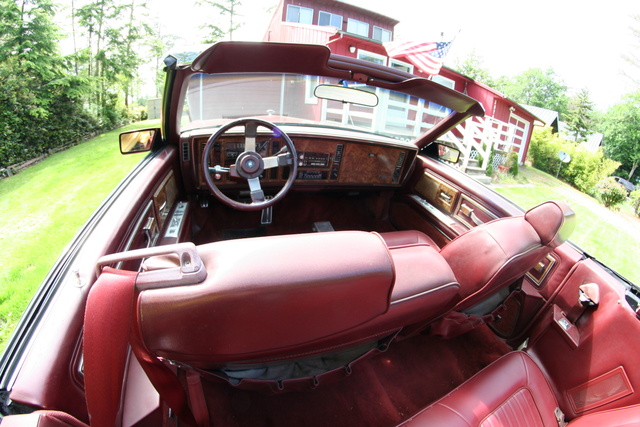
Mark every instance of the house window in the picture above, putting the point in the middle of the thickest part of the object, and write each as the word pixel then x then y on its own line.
pixel 310 84
pixel 381 35
pixel 437 109
pixel 372 57
pixel 400 65
pixel 357 27
pixel 330 20
pixel 444 81
pixel 303 15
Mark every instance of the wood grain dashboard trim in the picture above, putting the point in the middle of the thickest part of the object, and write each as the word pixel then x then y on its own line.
pixel 337 162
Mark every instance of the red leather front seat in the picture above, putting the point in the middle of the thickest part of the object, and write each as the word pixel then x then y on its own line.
pixel 512 391
pixel 491 256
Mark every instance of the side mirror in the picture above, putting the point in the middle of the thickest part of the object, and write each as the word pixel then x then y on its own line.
pixel 137 141
pixel 448 154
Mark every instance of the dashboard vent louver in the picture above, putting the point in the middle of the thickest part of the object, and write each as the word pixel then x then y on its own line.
pixel 186 155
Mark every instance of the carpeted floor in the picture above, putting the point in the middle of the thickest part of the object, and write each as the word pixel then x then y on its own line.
pixel 295 214
pixel 381 391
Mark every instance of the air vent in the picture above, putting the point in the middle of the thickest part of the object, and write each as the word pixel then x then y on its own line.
pixel 186 154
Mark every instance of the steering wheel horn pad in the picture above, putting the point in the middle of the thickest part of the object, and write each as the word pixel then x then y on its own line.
pixel 249 165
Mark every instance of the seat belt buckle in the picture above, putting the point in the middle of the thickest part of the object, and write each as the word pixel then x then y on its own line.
pixel 559 417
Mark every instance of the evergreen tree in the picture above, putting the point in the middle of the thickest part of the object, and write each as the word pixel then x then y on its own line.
pixel 228 8
pixel 580 116
pixel 114 33
pixel 35 84
pixel 622 133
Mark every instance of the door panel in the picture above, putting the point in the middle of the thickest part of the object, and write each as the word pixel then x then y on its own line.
pixel 590 353
pixel 538 289
pixel 450 202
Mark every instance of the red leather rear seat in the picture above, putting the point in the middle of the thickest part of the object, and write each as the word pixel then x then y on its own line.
pixel 512 391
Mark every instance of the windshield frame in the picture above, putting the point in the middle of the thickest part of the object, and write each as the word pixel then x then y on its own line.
pixel 290 99
pixel 294 58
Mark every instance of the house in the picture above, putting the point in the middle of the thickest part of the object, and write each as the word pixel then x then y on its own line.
pixel 551 119
pixel 356 32
pixel 506 122
pixel 347 29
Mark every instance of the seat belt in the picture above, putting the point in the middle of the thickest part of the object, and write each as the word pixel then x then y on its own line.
pixel 107 320
pixel 107 331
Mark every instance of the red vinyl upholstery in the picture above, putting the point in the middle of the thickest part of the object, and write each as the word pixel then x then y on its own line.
pixel 292 296
pixel 627 416
pixel 512 391
pixel 42 419
pixel 493 255
pixel 396 239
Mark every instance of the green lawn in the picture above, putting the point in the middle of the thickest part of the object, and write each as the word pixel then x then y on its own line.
pixel 611 236
pixel 44 206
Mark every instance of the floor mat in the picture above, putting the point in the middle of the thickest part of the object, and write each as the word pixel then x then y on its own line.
pixel 382 391
pixel 243 233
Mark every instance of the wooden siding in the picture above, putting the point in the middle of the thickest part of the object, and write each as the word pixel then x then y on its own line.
pixel 345 10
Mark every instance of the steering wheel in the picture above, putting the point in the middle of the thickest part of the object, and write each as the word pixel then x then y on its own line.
pixel 250 164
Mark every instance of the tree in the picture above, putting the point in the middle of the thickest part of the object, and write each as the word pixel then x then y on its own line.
pixel 622 133
pixel 579 118
pixel 472 66
pixel 35 82
pixel 538 88
pixel 111 58
pixel 225 8
pixel 632 58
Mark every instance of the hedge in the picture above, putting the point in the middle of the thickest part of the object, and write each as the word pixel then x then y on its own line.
pixel 584 170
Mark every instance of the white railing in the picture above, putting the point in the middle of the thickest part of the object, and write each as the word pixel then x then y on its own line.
pixel 397 116
pixel 481 134
pixel 476 136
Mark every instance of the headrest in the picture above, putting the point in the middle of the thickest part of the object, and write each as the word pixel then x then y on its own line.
pixel 269 295
pixel 554 222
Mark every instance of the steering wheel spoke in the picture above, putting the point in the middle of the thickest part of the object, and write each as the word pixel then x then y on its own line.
pixel 284 159
pixel 257 195
pixel 218 169
pixel 250 165
pixel 250 134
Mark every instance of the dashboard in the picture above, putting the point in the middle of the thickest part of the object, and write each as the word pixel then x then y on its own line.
pixel 321 161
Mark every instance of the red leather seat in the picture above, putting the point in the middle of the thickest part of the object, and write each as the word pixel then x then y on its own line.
pixel 264 302
pixel 512 391
pixel 286 297
pixel 42 419
pixel 397 239
pixel 491 256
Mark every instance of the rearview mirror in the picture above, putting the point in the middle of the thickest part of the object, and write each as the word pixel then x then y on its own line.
pixel 137 141
pixel 346 94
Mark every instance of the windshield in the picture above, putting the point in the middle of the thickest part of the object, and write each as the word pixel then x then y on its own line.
pixel 290 99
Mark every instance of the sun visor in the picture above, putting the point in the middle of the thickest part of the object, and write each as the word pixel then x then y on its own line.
pixel 252 57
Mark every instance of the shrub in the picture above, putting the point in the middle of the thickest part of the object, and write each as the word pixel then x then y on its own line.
pixel 635 201
pixel 512 163
pixel 585 169
pixel 489 170
pixel 611 193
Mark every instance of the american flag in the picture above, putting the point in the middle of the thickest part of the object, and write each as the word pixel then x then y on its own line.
pixel 428 57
